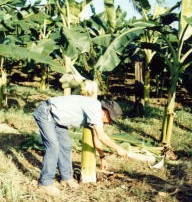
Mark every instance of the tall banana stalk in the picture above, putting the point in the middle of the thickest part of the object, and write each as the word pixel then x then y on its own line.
pixel 43 84
pixel 139 87
pixel 178 62
pixel 168 119
pixel 44 34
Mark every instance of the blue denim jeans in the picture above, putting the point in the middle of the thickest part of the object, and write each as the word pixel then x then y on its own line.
pixel 58 147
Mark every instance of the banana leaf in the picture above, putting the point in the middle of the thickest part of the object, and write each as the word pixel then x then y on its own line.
pixel 37 53
pixel 110 59
pixel 77 40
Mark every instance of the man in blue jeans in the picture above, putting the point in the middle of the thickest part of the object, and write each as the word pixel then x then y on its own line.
pixel 54 117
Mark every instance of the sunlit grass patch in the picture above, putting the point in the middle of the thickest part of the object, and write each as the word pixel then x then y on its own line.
pixel 7 180
pixel 14 184
pixel 18 118
pixel 183 119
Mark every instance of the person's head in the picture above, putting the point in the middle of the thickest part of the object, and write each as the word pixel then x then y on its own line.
pixel 111 111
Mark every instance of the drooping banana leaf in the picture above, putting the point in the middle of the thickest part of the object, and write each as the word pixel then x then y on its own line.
pixel 135 142
pixel 12 2
pixel 36 53
pixel 110 59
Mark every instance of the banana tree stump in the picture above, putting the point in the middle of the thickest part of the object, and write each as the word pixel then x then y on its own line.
pixel 88 161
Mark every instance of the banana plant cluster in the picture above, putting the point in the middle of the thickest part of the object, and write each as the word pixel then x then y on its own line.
pixel 53 36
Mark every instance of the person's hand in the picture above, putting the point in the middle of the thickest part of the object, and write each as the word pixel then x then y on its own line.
pixel 122 152
pixel 103 165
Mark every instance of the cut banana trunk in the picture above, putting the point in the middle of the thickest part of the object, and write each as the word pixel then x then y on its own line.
pixel 141 157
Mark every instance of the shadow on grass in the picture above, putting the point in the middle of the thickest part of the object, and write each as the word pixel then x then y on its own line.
pixel 183 127
pixel 128 108
pixel 173 186
pixel 142 133
pixel 24 160
pixel 24 156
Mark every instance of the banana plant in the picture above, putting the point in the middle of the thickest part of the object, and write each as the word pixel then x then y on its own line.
pixel 150 37
pixel 177 60
pixel 67 15
pixel 42 27
pixel 7 34
pixel 88 163
pixel 104 39
pixel 20 40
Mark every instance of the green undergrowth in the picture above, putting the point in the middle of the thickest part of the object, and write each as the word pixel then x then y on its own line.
pixel 144 130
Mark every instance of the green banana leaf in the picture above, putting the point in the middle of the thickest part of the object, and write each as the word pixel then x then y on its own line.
pixel 110 59
pixel 77 41
pixel 103 40
pixel 12 2
pixel 36 53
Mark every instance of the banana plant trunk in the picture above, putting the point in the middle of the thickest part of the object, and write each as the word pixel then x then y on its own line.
pixel 67 91
pixel 43 84
pixel 168 120
pixel 147 75
pixel 139 88
pixel 3 83
pixel 88 161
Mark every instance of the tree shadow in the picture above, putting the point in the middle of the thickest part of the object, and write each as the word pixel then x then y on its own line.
pixel 173 186
pixel 129 129
pixel 183 127
pixel 28 161
pixel 9 144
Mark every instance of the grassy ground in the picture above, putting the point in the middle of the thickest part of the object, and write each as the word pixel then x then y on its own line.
pixel 130 181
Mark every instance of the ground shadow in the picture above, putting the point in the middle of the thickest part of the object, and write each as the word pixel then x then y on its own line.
pixel 9 144
pixel 173 186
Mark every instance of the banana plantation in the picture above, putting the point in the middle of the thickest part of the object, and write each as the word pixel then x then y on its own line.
pixel 143 63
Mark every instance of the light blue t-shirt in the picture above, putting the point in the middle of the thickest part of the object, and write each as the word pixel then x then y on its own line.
pixel 76 110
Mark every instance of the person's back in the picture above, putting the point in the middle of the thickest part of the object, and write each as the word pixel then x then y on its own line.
pixel 76 110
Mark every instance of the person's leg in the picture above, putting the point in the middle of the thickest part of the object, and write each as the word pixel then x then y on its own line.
pixel 65 158
pixel 65 153
pixel 46 126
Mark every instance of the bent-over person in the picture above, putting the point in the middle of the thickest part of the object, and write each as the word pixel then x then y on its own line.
pixel 54 117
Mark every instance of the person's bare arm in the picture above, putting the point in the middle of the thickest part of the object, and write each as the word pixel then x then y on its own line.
pixel 99 147
pixel 105 139
pixel 98 144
